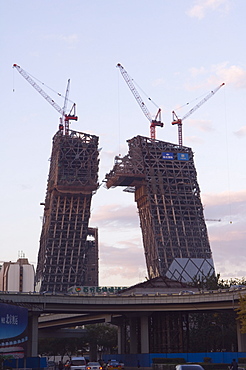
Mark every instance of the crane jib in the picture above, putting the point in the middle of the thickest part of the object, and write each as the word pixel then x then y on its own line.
pixel 64 117
pixel 153 123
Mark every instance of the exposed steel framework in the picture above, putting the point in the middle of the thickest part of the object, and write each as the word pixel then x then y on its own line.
pixel 68 253
pixel 164 179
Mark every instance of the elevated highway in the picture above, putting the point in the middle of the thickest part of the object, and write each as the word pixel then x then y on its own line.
pixel 59 311
pixel 119 303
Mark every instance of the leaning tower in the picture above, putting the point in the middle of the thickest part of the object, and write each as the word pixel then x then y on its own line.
pixel 68 253
pixel 163 177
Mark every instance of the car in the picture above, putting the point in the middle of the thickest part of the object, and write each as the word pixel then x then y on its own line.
pixel 237 286
pixel 115 365
pixel 189 367
pixel 51 365
pixel 77 363
pixel 93 366
pixel 186 292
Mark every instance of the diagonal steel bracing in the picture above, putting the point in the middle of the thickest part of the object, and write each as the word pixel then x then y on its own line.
pixel 67 247
pixel 167 193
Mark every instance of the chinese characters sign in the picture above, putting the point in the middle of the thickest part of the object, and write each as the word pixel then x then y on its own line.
pixel 95 289
pixel 13 320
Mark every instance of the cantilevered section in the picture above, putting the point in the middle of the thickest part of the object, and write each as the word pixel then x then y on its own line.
pixel 67 246
pixel 167 193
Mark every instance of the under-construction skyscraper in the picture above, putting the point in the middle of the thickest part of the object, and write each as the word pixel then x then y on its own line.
pixel 164 179
pixel 68 253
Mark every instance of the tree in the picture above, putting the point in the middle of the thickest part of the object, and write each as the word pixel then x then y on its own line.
pixel 213 282
pixel 101 335
pixel 241 313
pixel 212 331
pixel 61 346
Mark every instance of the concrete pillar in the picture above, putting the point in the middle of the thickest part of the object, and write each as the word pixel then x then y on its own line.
pixel 119 340
pixel 121 337
pixel 144 334
pixel 133 335
pixel 241 339
pixel 32 344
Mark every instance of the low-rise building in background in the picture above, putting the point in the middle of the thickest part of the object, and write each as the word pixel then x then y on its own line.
pixel 17 276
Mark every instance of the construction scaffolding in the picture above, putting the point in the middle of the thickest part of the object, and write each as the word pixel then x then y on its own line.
pixel 164 179
pixel 68 253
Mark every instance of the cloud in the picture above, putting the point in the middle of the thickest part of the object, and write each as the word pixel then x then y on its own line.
pixel 70 40
pixel 228 237
pixel 202 78
pixel 233 75
pixel 228 248
pixel 241 132
pixel 116 215
pixel 225 198
pixel 122 261
pixel 193 140
pixel 159 82
pixel 122 266
pixel 197 71
pixel 202 7
pixel 202 125
pixel 120 245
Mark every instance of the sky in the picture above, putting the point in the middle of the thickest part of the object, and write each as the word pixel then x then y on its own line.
pixel 176 52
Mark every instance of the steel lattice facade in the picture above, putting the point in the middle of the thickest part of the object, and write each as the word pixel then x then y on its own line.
pixel 163 177
pixel 68 253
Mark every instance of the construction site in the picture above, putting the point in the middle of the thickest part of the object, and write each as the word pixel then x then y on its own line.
pixel 162 176
pixel 68 253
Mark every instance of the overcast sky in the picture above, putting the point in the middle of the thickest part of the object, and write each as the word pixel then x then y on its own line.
pixel 176 51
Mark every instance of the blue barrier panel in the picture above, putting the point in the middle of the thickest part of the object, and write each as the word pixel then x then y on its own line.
pixel 29 362
pixel 196 357
pixel 146 359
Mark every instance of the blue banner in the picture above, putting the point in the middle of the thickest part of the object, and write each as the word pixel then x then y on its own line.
pixel 167 155
pixel 13 320
pixel 183 156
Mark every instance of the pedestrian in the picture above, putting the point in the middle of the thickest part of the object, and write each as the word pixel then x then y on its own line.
pixel 234 365
pixel 60 365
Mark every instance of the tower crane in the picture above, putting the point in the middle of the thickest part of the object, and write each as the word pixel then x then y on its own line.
pixel 179 121
pixel 213 219
pixel 65 118
pixel 153 122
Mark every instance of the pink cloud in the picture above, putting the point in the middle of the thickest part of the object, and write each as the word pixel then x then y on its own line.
pixel 193 140
pixel 122 261
pixel 202 125
pixel 230 74
pixel 241 132
pixel 116 215
pixel 228 237
pixel 124 265
pixel 202 7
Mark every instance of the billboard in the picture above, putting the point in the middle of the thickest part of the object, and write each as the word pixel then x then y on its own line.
pixel 167 155
pixel 95 289
pixel 13 329
pixel 13 320
pixel 183 156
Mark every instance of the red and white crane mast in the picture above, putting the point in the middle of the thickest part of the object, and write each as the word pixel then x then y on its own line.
pixel 153 122
pixel 179 121
pixel 65 118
